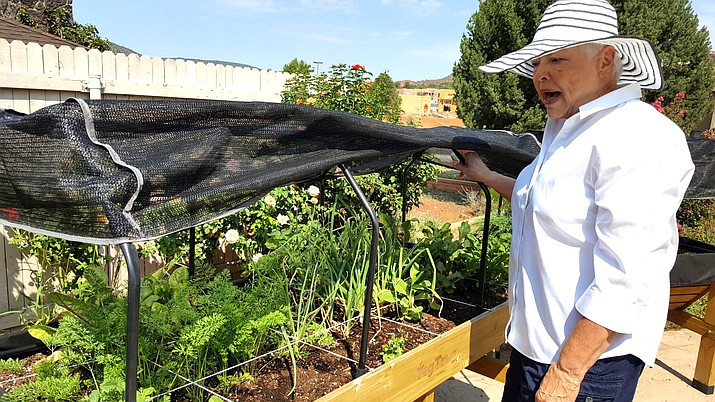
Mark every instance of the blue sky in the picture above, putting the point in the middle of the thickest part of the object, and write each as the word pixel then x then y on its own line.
pixel 411 39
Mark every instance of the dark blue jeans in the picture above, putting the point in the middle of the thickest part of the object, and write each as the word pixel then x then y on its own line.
pixel 609 380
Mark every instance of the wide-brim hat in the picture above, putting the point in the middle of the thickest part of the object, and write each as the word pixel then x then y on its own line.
pixel 568 23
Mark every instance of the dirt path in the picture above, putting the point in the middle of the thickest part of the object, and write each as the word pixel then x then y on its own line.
pixel 440 211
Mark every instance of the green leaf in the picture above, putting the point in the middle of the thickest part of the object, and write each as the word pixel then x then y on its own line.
pixel 400 286
pixel 41 332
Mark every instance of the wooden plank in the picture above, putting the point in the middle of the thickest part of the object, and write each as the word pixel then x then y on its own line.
pixel 689 290
pixel 220 77
pixel 692 323
pixel 109 65
pixel 453 185
pixel 122 63
pixel 146 69
pixel 157 69
pixel 180 72
pixel 5 56
pixel 170 72
pixel 43 82
pixel 94 60
pixel 18 57
pixel 210 76
pixel 52 98
pixel 134 68
pixel 50 60
pixel 687 299
pixel 37 100
pixel 66 60
pixel 35 65
pixel 228 79
pixel 418 372
pixel 81 63
pixel 704 378
pixel 190 74
pixel 21 100
pixel 201 74
pixel 490 367
pixel 5 98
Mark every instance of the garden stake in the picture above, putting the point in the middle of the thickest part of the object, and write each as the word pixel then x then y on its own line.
pixel 361 369
pixel 133 288
pixel 485 245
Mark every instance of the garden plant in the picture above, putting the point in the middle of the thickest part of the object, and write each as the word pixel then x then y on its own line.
pixel 302 255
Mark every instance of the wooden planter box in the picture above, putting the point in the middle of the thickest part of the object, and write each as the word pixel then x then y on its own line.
pixel 692 277
pixel 414 375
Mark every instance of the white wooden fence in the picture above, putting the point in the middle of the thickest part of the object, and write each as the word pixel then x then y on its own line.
pixel 34 76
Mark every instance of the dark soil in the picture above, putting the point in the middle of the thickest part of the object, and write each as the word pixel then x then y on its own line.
pixel 320 372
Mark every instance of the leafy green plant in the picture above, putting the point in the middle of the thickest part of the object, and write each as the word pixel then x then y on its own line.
pixel 393 349
pixel 51 385
pixel 11 364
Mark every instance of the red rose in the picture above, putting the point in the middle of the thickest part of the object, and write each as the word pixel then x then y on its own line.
pixel 357 67
pixel 10 213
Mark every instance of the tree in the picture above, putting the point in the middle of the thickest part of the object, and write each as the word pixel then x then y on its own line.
pixel 384 93
pixel 508 101
pixel 60 23
pixel 296 66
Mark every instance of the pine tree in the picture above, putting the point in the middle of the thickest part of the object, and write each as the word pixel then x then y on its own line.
pixel 508 101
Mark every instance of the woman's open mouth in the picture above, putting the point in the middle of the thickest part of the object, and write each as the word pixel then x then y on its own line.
pixel 550 96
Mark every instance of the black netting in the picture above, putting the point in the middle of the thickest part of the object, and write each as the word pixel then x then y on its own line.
pixel 115 171
pixel 112 171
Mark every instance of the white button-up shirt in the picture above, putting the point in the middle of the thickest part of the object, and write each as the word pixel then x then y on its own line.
pixel 594 229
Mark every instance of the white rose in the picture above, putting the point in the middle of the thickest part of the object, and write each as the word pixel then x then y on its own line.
pixel 313 191
pixel 270 201
pixel 231 236
pixel 282 219
pixel 257 257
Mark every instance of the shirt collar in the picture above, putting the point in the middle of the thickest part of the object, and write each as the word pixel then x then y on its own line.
pixel 611 99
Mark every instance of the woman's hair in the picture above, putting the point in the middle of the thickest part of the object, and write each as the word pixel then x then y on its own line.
pixel 591 49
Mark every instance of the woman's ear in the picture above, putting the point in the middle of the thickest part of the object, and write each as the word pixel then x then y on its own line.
pixel 606 59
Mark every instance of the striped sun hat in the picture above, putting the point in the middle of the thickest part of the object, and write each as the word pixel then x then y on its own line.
pixel 568 23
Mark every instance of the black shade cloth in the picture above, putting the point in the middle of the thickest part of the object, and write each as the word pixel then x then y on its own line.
pixel 695 266
pixel 108 172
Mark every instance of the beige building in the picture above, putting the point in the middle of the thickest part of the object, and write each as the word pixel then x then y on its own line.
pixel 428 101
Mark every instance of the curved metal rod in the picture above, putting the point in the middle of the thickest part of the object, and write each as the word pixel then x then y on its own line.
pixel 485 245
pixel 370 283
pixel 133 289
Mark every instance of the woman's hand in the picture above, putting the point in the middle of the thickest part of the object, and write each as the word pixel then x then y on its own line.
pixel 473 167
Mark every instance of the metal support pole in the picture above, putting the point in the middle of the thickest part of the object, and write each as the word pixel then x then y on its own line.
pixel 192 251
pixel 485 245
pixel 133 288
pixel 361 369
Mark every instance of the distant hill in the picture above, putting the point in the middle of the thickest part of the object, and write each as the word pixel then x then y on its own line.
pixel 116 48
pixel 425 83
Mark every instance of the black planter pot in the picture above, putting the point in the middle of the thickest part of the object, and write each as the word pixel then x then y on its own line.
pixel 20 344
